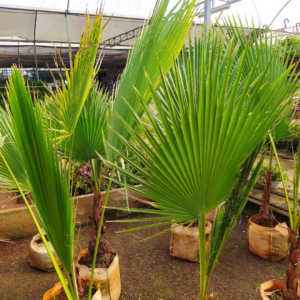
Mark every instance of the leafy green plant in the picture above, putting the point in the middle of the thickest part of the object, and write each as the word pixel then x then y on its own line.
pixel 211 117
pixel 47 173
pixel 293 272
pixel 169 31
pixel 163 39
pixel 290 46
pixel 276 176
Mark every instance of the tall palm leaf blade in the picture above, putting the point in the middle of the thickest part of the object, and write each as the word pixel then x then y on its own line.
pixel 203 158
pixel 45 171
pixel 12 156
pixel 161 40
pixel 66 104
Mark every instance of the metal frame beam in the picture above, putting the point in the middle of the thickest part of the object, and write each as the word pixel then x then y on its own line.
pixel 118 39
pixel 63 12
pixel 207 15
pixel 36 63
pixel 68 38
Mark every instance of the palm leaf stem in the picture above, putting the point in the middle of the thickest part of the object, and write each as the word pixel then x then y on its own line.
pixel 99 233
pixel 93 167
pixel 296 191
pixel 271 156
pixel 71 288
pixel 292 224
pixel 202 256
pixel 55 264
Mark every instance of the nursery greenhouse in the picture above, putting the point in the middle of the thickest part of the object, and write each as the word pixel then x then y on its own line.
pixel 149 150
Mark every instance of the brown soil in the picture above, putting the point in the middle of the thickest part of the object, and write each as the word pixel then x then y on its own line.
pixel 40 241
pixel 148 272
pixel 268 223
pixel 86 260
pixel 195 224
pixel 8 200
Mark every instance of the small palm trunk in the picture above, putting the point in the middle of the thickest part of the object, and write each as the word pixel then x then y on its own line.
pixel 291 288
pixel 104 247
pixel 265 215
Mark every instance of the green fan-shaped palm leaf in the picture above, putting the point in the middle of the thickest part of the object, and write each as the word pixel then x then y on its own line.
pixel 46 174
pixel 162 40
pixel 66 103
pixel 212 118
pixel 196 159
pixel 90 128
pixel 12 156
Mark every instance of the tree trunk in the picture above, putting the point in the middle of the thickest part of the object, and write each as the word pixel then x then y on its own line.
pixel 265 215
pixel 104 247
pixel 291 288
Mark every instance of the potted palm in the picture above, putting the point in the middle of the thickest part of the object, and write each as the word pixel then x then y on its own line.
pixel 210 119
pixel 87 144
pixel 289 288
pixel 266 237
pixel 47 175
pixel 64 118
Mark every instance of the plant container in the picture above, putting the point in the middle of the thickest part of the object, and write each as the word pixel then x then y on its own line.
pixel 275 185
pixel 184 241
pixel 38 255
pixel 109 278
pixel 271 289
pixel 58 288
pixel 269 243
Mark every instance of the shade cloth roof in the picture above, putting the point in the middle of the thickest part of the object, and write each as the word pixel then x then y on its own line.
pixel 44 21
pixel 25 56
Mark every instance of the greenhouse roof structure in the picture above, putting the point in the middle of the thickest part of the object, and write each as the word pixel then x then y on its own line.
pixel 29 30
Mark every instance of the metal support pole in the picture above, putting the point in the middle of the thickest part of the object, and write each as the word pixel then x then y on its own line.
pixel 19 62
pixel 207 14
pixel 67 23
pixel 36 63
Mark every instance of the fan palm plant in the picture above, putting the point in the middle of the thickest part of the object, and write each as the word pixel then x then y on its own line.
pixel 267 43
pixel 291 283
pixel 162 39
pixel 69 117
pixel 211 117
pixel 47 175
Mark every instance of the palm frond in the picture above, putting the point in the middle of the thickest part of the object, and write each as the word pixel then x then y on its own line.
pixel 209 126
pixel 90 128
pixel 162 40
pixel 45 171
pixel 12 156
pixel 228 213
pixel 65 105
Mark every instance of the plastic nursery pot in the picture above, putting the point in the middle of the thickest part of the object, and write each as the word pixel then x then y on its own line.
pixel 57 289
pixel 109 278
pixel 184 241
pixel 270 288
pixel 38 255
pixel 269 243
pixel 275 185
